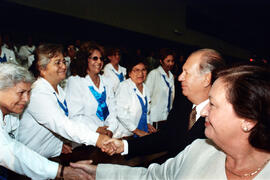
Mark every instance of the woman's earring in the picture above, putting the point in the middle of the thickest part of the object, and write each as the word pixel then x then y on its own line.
pixel 245 129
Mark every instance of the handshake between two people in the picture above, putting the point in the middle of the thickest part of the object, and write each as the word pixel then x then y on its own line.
pixel 109 145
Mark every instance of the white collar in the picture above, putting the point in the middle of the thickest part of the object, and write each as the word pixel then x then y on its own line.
pixel 199 108
pixel 161 70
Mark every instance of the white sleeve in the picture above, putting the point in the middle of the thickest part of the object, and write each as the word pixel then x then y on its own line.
pixel 124 107
pixel 17 157
pixel 151 82
pixel 111 120
pixel 75 101
pixel 166 171
pixel 46 111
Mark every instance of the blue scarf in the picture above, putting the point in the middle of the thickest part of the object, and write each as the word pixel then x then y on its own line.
pixel 3 59
pixel 63 106
pixel 170 92
pixel 143 120
pixel 120 76
pixel 102 109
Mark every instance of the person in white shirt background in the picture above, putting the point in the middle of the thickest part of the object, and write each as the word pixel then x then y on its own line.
pixel 45 124
pixel 237 125
pixel 160 82
pixel 113 70
pixel 133 102
pixel 6 55
pixel 15 86
pixel 90 94
pixel 26 52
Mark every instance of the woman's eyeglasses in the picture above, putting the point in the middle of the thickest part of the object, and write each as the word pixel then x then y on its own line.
pixel 58 62
pixel 137 71
pixel 95 58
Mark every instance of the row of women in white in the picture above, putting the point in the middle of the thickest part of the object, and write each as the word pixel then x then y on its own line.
pixel 93 106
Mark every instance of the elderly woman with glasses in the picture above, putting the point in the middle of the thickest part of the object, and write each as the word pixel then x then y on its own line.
pixel 90 94
pixel 15 86
pixel 133 102
pixel 45 124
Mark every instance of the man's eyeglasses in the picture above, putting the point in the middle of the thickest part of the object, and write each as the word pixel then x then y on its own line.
pixel 95 58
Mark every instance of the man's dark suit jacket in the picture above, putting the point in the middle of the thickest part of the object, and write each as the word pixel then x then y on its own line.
pixel 172 138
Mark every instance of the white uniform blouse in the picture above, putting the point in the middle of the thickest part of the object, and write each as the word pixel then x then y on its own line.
pixel 200 160
pixel 109 72
pixel 17 157
pixel 43 121
pixel 159 93
pixel 129 108
pixel 10 55
pixel 83 105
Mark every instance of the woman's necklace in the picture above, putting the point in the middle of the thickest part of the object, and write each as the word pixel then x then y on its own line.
pixel 249 174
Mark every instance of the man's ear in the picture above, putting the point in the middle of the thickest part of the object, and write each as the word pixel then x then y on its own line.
pixel 207 79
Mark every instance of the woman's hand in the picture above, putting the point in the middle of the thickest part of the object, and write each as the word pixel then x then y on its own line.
pixel 66 149
pixel 140 133
pixel 151 128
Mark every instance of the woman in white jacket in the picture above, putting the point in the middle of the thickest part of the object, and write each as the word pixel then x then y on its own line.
pixel 90 94
pixel 133 102
pixel 160 82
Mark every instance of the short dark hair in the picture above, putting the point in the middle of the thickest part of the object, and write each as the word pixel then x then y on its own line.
pixel 112 51
pixel 164 52
pixel 134 62
pixel 248 90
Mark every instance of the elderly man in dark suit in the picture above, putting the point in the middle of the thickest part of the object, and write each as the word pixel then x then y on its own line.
pixel 184 121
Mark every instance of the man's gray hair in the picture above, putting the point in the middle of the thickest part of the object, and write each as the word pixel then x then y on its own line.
pixel 212 62
pixel 11 74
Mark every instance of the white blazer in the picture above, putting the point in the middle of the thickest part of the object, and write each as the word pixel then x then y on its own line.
pixel 83 105
pixel 159 93
pixel 129 109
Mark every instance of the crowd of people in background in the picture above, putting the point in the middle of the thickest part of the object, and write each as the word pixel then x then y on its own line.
pixel 84 93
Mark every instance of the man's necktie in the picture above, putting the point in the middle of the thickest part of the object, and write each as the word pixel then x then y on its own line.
pixel 192 118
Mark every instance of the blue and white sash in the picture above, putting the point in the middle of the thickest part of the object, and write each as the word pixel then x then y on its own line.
pixel 143 120
pixel 120 76
pixel 102 109
pixel 62 106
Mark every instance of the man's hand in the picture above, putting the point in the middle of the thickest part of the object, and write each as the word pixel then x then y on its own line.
pixel 66 149
pixel 116 144
pixel 86 167
pixel 100 143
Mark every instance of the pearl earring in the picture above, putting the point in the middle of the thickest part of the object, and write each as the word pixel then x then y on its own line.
pixel 245 129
